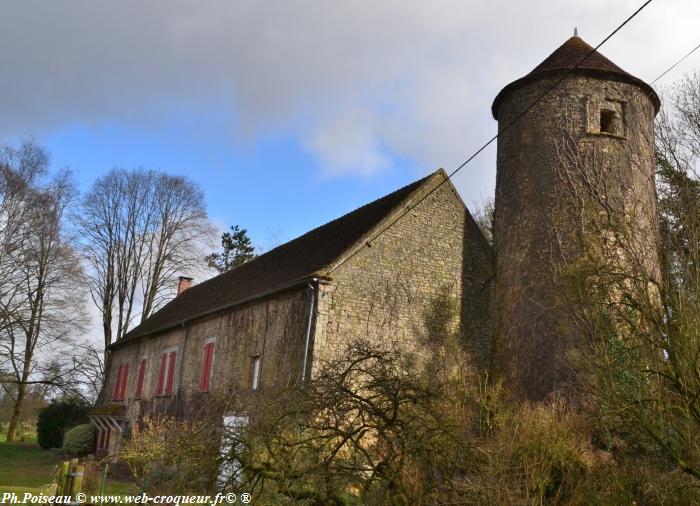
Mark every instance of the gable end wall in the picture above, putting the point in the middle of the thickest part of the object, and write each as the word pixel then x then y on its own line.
pixel 428 274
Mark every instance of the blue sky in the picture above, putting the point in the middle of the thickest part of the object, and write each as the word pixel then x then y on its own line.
pixel 289 114
pixel 271 185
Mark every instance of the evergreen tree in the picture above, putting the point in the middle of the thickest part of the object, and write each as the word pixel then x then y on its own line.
pixel 237 250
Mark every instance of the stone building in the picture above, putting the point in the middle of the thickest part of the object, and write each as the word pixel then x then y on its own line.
pixel 594 126
pixel 275 319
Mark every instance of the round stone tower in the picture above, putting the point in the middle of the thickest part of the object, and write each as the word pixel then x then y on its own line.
pixel 596 126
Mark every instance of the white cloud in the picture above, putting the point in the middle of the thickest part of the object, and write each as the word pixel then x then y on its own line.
pixel 348 143
pixel 356 82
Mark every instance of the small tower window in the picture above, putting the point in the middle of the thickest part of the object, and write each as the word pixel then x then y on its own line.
pixel 608 122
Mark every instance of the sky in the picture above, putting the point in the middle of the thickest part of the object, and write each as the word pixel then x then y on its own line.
pixel 291 113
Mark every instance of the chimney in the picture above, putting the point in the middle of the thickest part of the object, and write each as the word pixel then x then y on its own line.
pixel 183 284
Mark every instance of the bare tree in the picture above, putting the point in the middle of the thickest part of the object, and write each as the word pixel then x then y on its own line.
pixel 174 243
pixel 87 372
pixel 483 216
pixel 139 229
pixel 643 362
pixel 40 304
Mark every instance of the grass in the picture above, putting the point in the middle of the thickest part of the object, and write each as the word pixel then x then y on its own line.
pixel 25 464
pixel 26 467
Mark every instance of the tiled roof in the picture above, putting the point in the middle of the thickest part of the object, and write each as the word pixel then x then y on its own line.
pixel 573 51
pixel 282 267
pixel 565 58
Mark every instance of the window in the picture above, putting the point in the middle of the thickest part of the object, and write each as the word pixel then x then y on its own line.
pixel 171 373
pixel 139 382
pixel 121 381
pixel 166 372
pixel 125 377
pixel 207 365
pixel 161 374
pixel 255 372
pixel 605 116
pixel 608 122
pixel 117 383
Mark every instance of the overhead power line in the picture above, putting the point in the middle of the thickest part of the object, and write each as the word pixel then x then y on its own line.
pixel 502 130
pixel 678 62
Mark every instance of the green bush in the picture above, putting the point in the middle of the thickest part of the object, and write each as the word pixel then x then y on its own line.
pixel 80 440
pixel 56 418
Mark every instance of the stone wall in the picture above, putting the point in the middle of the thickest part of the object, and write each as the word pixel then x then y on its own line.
pixel 429 274
pixel 273 328
pixel 536 235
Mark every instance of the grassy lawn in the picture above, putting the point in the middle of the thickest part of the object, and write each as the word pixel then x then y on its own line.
pixel 25 467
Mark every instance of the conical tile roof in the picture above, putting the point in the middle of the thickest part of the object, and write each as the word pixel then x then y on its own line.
pixel 565 58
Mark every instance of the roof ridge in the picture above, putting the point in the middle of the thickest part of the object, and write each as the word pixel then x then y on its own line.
pixel 369 235
pixel 281 267
pixel 316 229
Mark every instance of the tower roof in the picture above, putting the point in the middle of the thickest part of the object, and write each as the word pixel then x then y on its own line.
pixel 565 58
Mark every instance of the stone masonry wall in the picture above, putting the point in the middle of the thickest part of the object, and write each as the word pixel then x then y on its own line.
pixel 273 328
pixel 536 234
pixel 430 273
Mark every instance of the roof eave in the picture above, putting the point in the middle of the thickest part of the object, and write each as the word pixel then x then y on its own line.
pixel 323 273
pixel 129 340
pixel 599 73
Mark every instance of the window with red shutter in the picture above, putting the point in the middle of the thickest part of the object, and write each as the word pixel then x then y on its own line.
pixel 161 373
pixel 171 374
pixel 125 380
pixel 207 362
pixel 139 381
pixel 117 383
pixel 121 381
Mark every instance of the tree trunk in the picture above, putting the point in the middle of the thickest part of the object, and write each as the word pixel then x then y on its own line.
pixel 16 412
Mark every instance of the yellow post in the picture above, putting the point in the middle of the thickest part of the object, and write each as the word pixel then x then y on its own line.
pixel 77 473
pixel 63 471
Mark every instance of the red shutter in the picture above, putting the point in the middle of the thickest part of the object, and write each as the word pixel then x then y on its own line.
pixel 117 383
pixel 161 373
pixel 125 379
pixel 139 382
pixel 210 360
pixel 171 374
pixel 203 379
pixel 206 366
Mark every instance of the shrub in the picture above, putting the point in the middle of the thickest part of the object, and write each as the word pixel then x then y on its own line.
pixel 56 418
pixel 80 440
pixel 171 456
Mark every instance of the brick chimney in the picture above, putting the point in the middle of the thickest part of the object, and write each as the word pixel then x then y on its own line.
pixel 183 284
